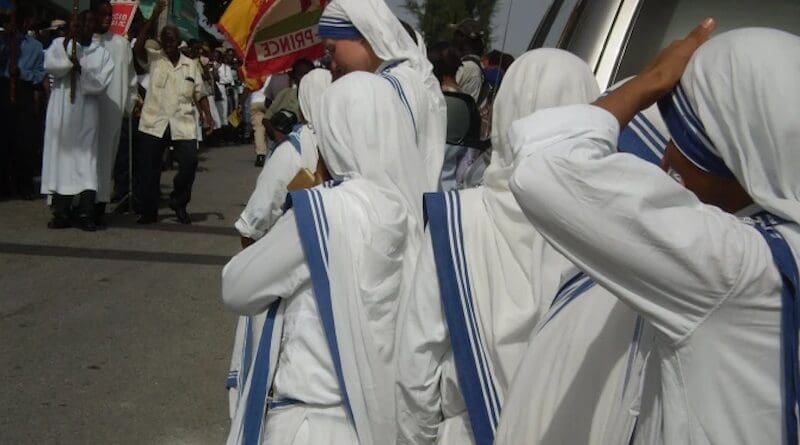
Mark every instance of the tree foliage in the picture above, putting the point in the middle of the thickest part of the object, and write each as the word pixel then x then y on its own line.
pixel 436 17
pixel 215 9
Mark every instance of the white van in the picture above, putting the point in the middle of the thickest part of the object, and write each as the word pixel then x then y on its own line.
pixel 617 38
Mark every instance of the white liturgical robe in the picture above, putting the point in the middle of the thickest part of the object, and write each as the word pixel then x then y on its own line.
pixel 69 163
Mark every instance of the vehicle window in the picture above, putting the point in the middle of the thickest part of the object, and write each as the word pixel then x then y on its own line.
pixel 661 21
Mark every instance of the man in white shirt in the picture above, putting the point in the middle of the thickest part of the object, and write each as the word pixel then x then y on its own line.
pixel 168 118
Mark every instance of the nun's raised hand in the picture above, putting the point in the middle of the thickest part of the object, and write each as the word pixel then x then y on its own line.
pixel 658 78
pixel 668 67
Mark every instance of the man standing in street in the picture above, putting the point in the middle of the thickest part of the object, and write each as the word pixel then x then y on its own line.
pixel 18 81
pixel 168 119
pixel 113 103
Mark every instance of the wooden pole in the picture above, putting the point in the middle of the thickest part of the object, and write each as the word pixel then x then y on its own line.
pixel 73 79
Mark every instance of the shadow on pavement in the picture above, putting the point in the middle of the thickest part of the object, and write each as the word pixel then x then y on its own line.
pixel 109 254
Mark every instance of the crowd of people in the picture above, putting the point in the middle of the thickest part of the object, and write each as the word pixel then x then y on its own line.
pixel 447 245
pixel 74 103
pixel 595 268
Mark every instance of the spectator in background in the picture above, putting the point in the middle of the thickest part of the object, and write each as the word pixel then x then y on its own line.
pixel 259 101
pixel 168 118
pixel 446 64
pixel 114 104
pixel 287 98
pixel 459 154
pixel 17 114
pixel 468 40
pixel 495 64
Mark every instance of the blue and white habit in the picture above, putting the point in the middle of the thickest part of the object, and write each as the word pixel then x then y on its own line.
pixel 330 274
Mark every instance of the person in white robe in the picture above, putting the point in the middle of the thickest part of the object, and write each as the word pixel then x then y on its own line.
pixel 113 104
pixel 579 380
pixel 710 264
pixel 299 151
pixel 384 47
pixel 69 163
pixel 332 303
pixel 484 278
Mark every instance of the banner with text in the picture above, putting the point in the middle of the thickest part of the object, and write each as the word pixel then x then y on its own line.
pixel 122 15
pixel 282 32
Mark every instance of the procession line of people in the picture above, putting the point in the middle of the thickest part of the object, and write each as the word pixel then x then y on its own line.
pixel 624 274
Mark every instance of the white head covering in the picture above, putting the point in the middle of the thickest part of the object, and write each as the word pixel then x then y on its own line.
pixel 376 23
pixel 539 79
pixel 421 92
pixel 310 91
pixel 375 220
pixel 733 110
pixel 367 134
pixel 511 267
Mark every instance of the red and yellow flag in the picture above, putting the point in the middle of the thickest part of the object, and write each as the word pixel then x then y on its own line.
pixel 270 35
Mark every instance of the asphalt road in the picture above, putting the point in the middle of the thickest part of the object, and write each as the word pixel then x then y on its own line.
pixel 119 336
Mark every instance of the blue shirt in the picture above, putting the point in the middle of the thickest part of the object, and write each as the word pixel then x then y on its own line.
pixel 30 60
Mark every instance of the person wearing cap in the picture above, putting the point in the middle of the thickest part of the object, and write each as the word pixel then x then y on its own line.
pixel 287 99
pixel 168 119
pixel 468 39
pixel 707 255
pixel 259 100
pixel 114 104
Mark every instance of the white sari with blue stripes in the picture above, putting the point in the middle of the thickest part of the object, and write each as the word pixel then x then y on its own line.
pixel 495 276
pixel 580 379
pixel 718 289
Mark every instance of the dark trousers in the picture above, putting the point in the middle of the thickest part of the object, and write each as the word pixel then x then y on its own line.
pixel 121 167
pixel 62 205
pixel 17 138
pixel 149 154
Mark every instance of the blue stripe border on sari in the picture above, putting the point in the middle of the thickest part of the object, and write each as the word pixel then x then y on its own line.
pixel 442 211
pixel 312 225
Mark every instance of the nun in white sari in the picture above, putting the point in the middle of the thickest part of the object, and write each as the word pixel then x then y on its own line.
pixel 483 279
pixel 580 378
pixel 299 151
pixel 717 287
pixel 332 290
pixel 405 65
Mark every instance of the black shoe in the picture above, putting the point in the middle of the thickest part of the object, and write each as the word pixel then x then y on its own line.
pixel 260 159
pixel 59 223
pixel 87 224
pixel 147 219
pixel 183 217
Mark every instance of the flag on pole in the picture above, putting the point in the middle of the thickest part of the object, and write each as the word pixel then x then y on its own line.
pixel 238 20
pixel 270 35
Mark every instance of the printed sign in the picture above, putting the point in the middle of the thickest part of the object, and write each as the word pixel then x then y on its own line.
pixel 122 13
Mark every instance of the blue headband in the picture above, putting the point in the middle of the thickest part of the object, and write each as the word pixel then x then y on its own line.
pixel 689 134
pixel 333 28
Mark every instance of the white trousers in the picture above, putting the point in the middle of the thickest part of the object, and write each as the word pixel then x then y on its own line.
pixel 309 425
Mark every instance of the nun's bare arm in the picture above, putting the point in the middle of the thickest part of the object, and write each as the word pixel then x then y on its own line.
pixel 658 78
